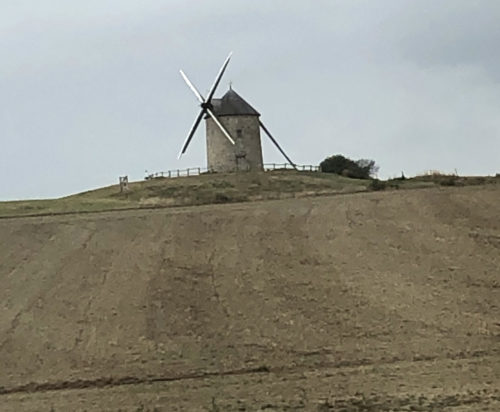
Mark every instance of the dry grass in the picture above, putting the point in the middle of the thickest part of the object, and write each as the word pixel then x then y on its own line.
pixel 194 190
pixel 224 188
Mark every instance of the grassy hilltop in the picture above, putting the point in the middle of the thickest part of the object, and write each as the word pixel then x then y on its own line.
pixel 193 190
pixel 221 188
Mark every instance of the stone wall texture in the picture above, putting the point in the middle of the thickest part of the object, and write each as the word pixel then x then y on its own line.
pixel 245 155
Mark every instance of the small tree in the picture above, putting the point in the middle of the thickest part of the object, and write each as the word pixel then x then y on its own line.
pixel 368 167
pixel 341 165
pixel 335 164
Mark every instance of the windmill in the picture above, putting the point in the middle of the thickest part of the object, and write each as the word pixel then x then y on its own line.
pixel 232 129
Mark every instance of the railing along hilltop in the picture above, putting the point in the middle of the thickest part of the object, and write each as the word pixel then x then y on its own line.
pixel 196 171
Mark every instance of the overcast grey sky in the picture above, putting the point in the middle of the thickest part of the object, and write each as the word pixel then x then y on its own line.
pixel 90 90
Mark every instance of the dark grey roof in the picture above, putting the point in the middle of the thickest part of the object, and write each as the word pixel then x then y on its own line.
pixel 232 104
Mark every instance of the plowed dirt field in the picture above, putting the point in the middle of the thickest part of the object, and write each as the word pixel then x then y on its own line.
pixel 383 301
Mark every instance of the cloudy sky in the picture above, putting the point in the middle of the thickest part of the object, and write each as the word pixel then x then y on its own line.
pixel 91 90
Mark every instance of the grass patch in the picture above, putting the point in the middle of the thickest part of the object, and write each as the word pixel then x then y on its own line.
pixel 224 188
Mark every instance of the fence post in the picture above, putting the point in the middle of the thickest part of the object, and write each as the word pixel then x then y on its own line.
pixel 187 171
pixel 178 173
pixel 123 184
pixel 199 171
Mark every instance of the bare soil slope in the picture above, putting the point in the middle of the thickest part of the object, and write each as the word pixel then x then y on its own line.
pixel 373 301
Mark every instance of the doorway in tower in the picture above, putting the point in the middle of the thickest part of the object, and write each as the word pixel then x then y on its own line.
pixel 242 164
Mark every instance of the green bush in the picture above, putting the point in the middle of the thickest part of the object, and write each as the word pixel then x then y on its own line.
pixel 341 165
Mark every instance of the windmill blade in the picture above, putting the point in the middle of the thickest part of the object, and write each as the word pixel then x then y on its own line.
pixel 219 76
pixel 277 145
pixel 192 87
pixel 220 125
pixel 191 133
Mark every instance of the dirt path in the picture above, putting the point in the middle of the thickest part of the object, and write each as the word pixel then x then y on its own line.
pixel 431 385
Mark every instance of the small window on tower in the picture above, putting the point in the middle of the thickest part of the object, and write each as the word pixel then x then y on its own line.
pixel 239 133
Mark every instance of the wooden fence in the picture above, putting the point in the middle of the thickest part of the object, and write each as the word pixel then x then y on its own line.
pixel 193 171
pixel 288 166
pixel 196 171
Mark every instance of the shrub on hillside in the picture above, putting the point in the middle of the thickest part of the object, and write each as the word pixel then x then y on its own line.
pixel 376 184
pixel 440 178
pixel 341 165
pixel 448 181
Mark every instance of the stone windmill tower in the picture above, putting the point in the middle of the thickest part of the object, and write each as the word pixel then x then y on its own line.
pixel 232 130
pixel 242 123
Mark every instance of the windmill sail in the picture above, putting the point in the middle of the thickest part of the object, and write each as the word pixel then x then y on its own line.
pixel 268 133
pixel 206 105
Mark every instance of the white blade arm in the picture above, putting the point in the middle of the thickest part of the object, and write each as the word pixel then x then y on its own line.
pixel 219 76
pixel 220 125
pixel 191 86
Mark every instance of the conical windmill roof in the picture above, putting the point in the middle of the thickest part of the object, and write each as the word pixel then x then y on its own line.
pixel 232 104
